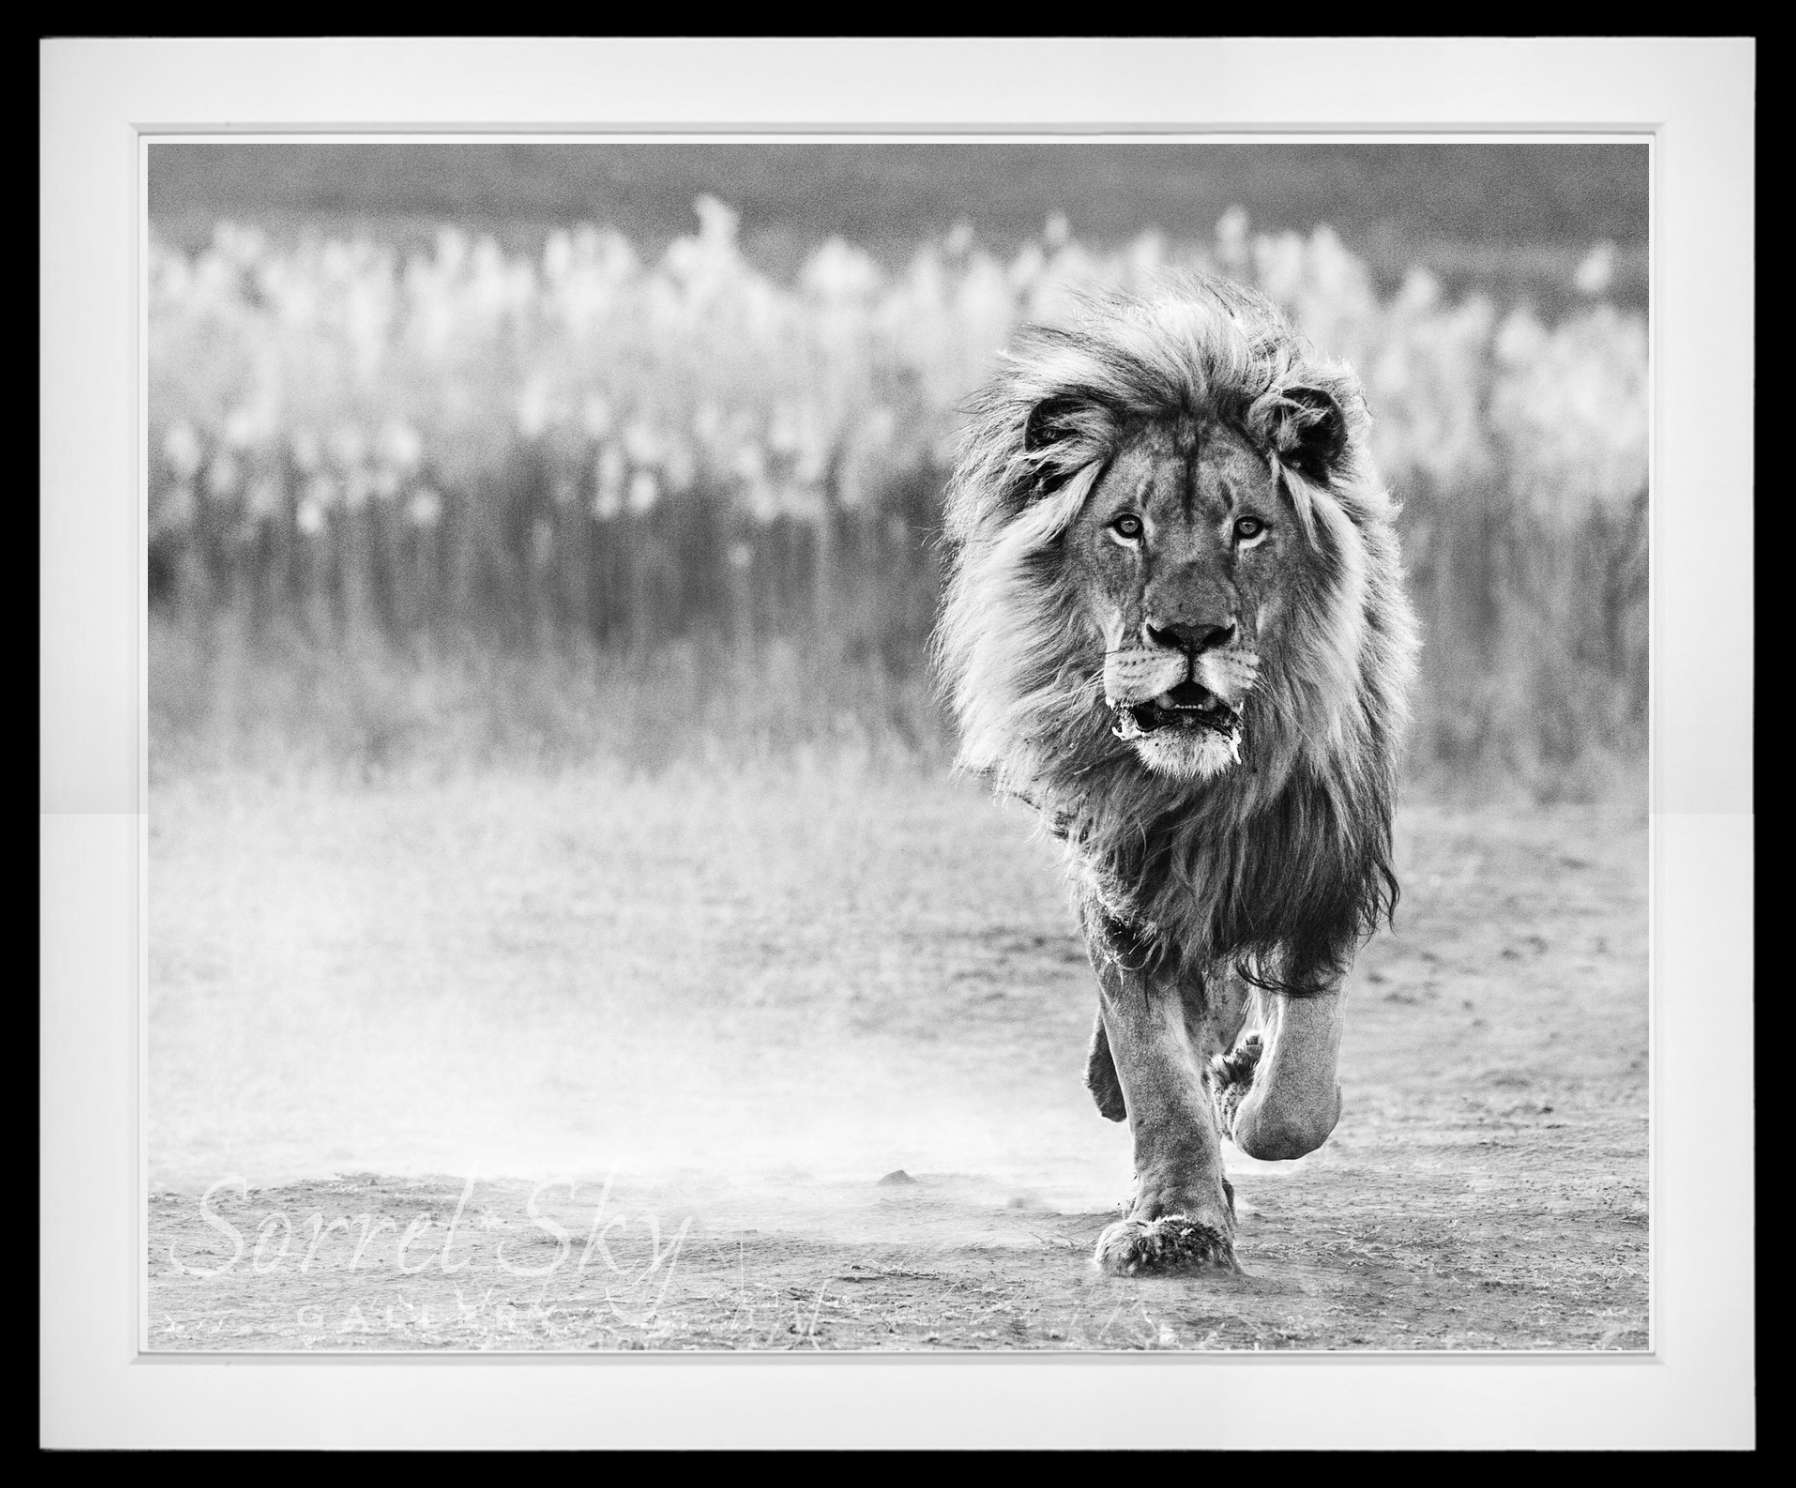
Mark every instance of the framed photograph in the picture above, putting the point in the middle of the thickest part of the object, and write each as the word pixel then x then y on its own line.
pixel 739 737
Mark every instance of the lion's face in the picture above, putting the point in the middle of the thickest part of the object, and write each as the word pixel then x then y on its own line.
pixel 1170 507
pixel 1182 554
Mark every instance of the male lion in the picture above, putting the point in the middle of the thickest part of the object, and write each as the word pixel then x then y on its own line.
pixel 1175 624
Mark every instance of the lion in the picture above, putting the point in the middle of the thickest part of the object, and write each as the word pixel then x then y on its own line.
pixel 1174 622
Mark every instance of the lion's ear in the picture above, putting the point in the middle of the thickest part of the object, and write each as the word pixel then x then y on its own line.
pixel 1064 433
pixel 1310 430
pixel 1054 420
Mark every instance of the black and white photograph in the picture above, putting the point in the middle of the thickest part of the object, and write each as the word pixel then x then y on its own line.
pixel 970 744
pixel 898 745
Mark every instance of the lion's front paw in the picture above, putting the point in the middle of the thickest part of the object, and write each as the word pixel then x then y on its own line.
pixel 1164 1246
pixel 1231 1076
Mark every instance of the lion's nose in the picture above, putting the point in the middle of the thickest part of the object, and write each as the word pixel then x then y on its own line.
pixel 1192 639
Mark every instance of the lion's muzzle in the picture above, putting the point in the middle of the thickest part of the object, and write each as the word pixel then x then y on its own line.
pixel 1187 706
pixel 1156 689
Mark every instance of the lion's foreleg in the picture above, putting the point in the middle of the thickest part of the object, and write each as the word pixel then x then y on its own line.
pixel 1279 1092
pixel 1181 1217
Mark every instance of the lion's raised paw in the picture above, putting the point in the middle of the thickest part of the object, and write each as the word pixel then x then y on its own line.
pixel 1163 1247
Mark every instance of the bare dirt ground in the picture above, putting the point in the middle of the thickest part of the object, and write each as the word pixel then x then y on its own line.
pixel 527 1063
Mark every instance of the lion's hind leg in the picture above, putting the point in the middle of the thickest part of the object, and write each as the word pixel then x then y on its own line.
pixel 1231 1077
pixel 1100 1077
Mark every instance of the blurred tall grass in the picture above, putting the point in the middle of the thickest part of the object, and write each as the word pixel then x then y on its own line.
pixel 429 507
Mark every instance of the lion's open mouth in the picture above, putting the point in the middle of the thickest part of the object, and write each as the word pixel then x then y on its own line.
pixel 1190 706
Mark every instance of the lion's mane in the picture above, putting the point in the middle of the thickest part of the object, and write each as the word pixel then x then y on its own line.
pixel 1281 865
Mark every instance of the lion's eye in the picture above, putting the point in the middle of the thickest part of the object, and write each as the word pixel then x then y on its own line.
pixel 1127 527
pixel 1249 528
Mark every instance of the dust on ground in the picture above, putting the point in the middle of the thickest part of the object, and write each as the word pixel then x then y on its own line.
pixel 726 1063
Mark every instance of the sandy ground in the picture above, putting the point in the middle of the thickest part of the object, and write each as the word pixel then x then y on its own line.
pixel 583 1063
